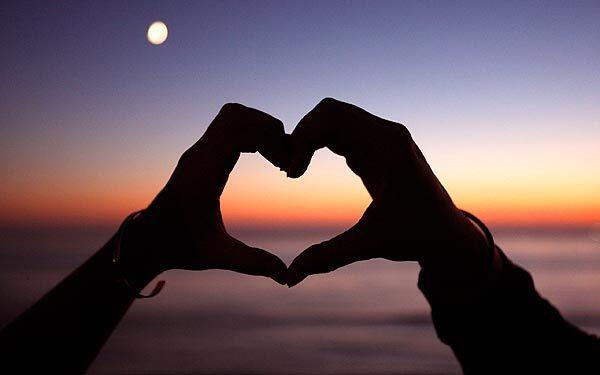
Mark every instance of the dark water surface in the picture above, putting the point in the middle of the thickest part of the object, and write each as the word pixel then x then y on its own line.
pixel 365 318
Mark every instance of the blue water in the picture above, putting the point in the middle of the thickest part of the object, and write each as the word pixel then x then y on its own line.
pixel 365 318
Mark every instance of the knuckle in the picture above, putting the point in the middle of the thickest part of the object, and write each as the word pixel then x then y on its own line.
pixel 326 108
pixel 327 104
pixel 401 134
pixel 328 101
pixel 227 117
pixel 185 158
pixel 230 109
pixel 276 124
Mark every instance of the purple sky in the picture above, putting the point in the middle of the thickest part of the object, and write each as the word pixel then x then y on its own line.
pixel 89 108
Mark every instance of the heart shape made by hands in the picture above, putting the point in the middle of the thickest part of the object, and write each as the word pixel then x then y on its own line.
pixel 410 217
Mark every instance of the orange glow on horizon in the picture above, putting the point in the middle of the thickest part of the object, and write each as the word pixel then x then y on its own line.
pixel 258 195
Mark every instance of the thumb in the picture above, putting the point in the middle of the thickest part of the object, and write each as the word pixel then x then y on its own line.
pixel 346 248
pixel 236 256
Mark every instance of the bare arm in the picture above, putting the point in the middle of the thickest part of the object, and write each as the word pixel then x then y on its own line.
pixel 483 306
pixel 67 327
pixel 181 229
pixel 502 325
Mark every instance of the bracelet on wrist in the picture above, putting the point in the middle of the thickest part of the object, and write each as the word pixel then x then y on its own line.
pixel 495 262
pixel 116 260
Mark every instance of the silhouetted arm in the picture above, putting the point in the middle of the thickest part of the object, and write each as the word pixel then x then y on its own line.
pixel 498 323
pixel 181 229
pixel 66 328
pixel 483 306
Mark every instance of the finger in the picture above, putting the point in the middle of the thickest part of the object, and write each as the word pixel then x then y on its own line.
pixel 236 129
pixel 239 257
pixel 344 249
pixel 345 129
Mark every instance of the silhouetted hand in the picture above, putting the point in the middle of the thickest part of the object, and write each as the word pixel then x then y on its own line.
pixel 411 216
pixel 183 227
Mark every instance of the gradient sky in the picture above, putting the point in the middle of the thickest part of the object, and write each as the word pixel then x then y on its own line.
pixel 502 97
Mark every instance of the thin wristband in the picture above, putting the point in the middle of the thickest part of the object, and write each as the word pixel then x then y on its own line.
pixel 486 232
pixel 117 261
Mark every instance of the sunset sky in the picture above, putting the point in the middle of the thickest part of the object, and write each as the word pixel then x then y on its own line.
pixel 503 98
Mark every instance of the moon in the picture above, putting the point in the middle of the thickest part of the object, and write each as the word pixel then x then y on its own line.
pixel 157 33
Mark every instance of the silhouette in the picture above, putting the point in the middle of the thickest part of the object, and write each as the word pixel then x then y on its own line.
pixel 483 306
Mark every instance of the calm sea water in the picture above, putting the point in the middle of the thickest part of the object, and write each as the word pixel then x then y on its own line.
pixel 365 318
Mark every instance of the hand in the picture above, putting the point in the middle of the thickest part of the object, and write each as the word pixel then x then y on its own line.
pixel 183 228
pixel 411 216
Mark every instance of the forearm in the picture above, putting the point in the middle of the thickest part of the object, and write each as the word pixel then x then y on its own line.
pixel 502 325
pixel 66 328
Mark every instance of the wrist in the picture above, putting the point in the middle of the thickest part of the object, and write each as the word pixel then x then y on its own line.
pixel 140 251
pixel 466 254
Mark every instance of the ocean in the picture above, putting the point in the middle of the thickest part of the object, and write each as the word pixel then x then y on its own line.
pixel 365 318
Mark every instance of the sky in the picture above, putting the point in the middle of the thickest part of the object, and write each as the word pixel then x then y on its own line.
pixel 502 98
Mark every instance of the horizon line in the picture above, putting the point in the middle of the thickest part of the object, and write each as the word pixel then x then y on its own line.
pixel 303 228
